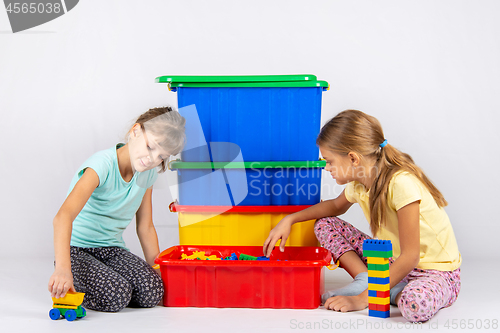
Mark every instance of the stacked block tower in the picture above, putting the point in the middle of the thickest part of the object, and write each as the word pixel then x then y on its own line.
pixel 378 253
pixel 250 156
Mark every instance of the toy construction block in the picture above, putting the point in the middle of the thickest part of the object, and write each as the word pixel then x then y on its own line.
pixel 231 257
pixel 378 267
pixel 379 274
pixel 377 248
pixel 378 253
pixel 378 293
pixel 377 280
pixel 247 257
pixel 379 307
pixel 377 245
pixel 380 314
pixel 377 261
pixel 378 287
pixel 379 300
pixel 199 255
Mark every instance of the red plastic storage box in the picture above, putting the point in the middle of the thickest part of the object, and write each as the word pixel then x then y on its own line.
pixel 292 279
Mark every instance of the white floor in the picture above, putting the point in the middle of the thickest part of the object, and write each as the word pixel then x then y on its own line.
pixel 25 304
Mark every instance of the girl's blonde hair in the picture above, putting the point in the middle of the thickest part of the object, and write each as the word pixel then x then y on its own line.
pixel 355 131
pixel 167 125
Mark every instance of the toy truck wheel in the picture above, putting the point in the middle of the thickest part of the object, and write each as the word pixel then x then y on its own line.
pixel 54 314
pixel 70 315
pixel 84 312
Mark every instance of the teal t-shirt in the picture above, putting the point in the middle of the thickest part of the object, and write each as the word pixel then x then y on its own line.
pixel 112 205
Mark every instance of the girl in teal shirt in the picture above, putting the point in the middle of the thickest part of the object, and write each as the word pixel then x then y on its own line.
pixel 107 191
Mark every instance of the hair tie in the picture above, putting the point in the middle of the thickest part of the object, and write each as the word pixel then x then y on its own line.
pixel 383 144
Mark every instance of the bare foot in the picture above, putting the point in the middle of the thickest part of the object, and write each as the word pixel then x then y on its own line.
pixel 346 303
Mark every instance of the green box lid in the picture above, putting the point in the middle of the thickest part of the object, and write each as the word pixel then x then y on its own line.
pixel 239 81
pixel 234 78
pixel 177 164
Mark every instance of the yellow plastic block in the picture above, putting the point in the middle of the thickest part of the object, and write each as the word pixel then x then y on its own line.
pixel 378 287
pixel 379 300
pixel 244 229
pixel 378 261
pixel 198 255
pixel 378 274
pixel 213 257
pixel 70 301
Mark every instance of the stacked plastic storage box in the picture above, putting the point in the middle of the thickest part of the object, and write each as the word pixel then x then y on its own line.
pixel 293 279
pixel 250 157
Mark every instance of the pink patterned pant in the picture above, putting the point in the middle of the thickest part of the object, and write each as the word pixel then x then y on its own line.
pixel 427 291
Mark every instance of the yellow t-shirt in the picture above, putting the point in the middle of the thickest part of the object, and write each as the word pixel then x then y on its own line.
pixel 438 245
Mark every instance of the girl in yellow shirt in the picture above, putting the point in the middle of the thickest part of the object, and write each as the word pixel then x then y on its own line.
pixel 401 204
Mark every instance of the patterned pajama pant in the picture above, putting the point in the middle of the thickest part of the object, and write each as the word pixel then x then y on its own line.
pixel 427 290
pixel 113 278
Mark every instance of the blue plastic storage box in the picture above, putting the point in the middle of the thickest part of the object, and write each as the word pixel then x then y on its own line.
pixel 271 118
pixel 248 183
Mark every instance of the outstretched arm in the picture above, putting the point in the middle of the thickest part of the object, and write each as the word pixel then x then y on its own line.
pixel 62 280
pixel 145 228
pixel 333 207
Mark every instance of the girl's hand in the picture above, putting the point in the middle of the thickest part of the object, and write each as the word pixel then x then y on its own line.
pixel 346 303
pixel 280 231
pixel 60 282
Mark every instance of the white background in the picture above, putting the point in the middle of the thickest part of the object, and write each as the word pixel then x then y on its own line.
pixel 428 70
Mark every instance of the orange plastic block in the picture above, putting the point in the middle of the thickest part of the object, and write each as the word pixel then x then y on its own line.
pixel 379 307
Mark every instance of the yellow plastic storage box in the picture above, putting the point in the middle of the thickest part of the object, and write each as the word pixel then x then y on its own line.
pixel 239 225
